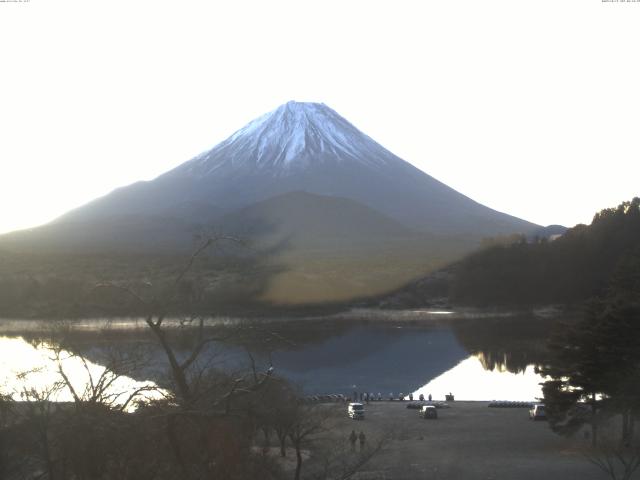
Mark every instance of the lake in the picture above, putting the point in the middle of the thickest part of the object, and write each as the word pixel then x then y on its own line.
pixel 487 358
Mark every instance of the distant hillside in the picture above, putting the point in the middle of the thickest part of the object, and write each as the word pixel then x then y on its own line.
pixel 519 271
pixel 118 233
pixel 572 268
pixel 308 221
pixel 332 249
pixel 296 221
pixel 550 232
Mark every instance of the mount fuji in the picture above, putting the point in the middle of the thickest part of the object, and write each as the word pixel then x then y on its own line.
pixel 302 147
pixel 347 217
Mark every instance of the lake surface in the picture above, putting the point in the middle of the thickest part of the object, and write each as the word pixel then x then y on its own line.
pixel 482 359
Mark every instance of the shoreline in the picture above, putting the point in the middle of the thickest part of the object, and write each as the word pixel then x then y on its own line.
pixel 354 316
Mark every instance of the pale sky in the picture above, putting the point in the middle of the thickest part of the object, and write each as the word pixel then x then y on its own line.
pixel 529 107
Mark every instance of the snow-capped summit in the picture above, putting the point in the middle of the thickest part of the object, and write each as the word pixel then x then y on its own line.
pixel 291 137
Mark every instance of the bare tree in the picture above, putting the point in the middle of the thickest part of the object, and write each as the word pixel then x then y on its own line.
pixel 340 463
pixel 619 460
pixel 109 384
pixel 205 402
pixel 29 425
pixel 306 423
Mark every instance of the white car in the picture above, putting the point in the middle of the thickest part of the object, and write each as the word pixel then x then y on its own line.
pixel 355 411
pixel 536 412
pixel 428 412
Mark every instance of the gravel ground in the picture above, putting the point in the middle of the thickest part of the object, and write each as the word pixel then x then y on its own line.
pixel 467 441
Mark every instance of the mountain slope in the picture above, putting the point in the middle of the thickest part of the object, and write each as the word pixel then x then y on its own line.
pixel 307 147
pixel 334 249
pixel 315 221
pixel 129 233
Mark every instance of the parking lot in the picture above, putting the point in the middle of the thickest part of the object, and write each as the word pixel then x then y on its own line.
pixel 467 441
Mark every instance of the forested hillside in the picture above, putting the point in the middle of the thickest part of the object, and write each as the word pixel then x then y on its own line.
pixel 570 269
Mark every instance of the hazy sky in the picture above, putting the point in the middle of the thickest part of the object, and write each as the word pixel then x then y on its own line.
pixel 530 107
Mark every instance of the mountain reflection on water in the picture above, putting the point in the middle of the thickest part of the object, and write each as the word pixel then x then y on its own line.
pixel 482 359
pixel 469 380
pixel 372 359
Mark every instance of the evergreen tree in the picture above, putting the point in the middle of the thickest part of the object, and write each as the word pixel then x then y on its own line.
pixel 597 360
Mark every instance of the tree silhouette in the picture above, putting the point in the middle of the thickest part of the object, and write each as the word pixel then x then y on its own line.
pixel 596 361
pixel 571 269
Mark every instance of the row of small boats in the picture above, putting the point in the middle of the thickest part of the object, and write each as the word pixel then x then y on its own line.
pixel 509 404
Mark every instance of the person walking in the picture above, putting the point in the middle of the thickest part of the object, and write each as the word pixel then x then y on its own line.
pixel 362 439
pixel 352 439
pixel 429 397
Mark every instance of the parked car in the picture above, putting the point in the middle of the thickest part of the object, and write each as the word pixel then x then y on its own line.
pixel 428 412
pixel 355 411
pixel 536 412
